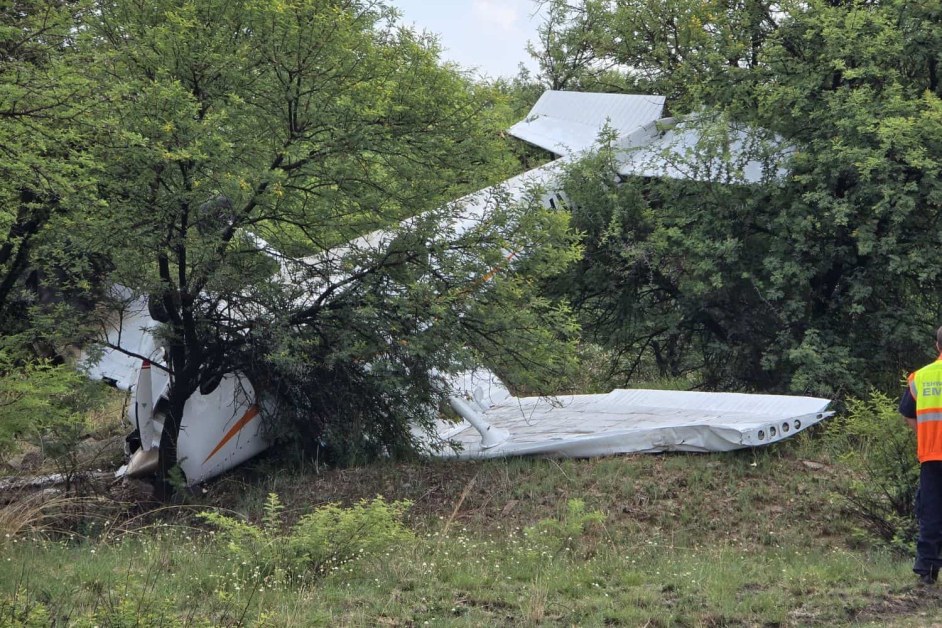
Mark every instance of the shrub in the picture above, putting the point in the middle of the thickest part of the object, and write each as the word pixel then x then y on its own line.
pixel 37 398
pixel 326 539
pixel 872 440
pixel 46 404
pixel 20 612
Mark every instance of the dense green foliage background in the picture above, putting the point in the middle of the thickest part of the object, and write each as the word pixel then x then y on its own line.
pixel 821 282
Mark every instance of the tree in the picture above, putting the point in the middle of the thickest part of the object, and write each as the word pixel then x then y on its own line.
pixel 666 280
pixel 47 174
pixel 48 180
pixel 569 52
pixel 817 282
pixel 865 195
pixel 690 51
pixel 249 140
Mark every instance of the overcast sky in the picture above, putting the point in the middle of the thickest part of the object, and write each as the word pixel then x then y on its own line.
pixel 490 35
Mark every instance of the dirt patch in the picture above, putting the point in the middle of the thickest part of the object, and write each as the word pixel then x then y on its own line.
pixel 893 606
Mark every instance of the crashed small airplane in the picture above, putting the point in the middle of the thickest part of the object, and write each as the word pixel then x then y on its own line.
pixel 222 429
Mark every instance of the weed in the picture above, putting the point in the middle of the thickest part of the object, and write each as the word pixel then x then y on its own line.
pixel 21 613
pixel 564 534
pixel 325 540
pixel 37 513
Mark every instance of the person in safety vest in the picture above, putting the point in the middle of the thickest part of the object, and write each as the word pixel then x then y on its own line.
pixel 921 405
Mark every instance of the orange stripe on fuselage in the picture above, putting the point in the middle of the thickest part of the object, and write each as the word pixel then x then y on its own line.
pixel 250 414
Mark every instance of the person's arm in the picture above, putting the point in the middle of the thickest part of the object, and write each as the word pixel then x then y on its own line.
pixel 907 407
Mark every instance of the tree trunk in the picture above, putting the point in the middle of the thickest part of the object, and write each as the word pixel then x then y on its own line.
pixel 167 459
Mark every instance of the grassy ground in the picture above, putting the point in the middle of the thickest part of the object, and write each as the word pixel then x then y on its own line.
pixel 755 538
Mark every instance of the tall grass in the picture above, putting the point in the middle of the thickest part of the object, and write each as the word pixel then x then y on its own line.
pixel 41 514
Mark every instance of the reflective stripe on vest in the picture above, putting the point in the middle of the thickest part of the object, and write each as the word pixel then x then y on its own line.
pixel 926 386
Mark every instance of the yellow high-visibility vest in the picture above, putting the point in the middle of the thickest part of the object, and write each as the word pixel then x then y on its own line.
pixel 926 387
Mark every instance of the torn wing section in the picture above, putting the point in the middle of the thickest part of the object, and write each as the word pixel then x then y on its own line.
pixel 633 421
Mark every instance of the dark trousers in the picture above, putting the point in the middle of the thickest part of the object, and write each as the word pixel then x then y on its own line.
pixel 929 514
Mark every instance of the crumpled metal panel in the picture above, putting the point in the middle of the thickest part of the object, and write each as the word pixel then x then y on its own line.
pixel 639 421
pixel 566 123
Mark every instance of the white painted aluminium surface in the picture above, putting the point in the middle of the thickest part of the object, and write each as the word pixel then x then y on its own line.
pixel 132 329
pixel 640 421
pixel 219 430
pixel 459 217
pixel 696 150
pixel 567 123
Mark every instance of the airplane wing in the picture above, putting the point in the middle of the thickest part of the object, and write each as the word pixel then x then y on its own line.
pixel 628 421
pixel 567 123
pixel 693 149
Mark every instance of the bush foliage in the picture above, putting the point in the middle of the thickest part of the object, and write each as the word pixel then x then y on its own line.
pixel 879 450
pixel 326 539
pixel 44 404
